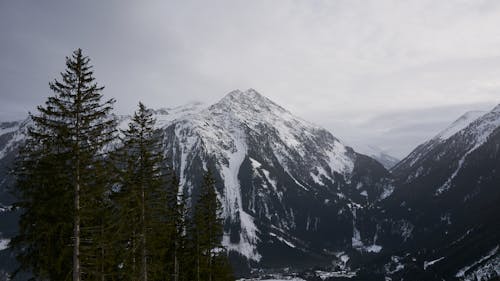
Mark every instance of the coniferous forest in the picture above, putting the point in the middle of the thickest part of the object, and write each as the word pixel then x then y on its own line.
pixel 99 203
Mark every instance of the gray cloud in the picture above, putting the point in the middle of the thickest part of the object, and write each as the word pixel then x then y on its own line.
pixel 374 71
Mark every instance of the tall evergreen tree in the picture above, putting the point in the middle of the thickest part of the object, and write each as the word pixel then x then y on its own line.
pixel 142 200
pixel 176 227
pixel 58 172
pixel 208 230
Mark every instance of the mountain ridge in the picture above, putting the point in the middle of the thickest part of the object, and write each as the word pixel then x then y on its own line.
pixel 295 195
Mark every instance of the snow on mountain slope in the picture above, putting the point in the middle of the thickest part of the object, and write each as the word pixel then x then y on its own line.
pixel 221 135
pixel 448 188
pixel 10 134
pixel 459 124
pixel 474 127
pixel 440 161
pixel 223 127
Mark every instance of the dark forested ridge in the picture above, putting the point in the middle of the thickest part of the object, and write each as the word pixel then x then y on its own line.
pixel 236 189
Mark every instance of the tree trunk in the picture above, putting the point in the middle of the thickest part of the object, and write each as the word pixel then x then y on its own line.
pixel 144 253
pixel 76 231
pixel 76 226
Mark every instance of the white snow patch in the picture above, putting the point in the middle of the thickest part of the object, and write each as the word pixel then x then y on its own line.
pixel 344 258
pixel 373 248
pixel 356 241
pixel 255 164
pixel 429 263
pixel 359 185
pixel 443 188
pixel 248 242
pixel 388 190
pixel 271 181
pixel 298 183
pixel 356 236
pixel 290 244
pixel 248 238
pixel 339 162
pixel 4 244
pixel 230 171
pixel 316 179
pixel 323 275
pixel 322 172
pixel 4 208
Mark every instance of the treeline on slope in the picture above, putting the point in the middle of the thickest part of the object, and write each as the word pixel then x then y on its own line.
pixel 96 206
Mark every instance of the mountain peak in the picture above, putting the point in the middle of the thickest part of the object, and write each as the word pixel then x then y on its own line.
pixel 249 94
pixel 249 99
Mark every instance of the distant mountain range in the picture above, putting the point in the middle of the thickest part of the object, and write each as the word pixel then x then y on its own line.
pixel 295 196
pixel 382 156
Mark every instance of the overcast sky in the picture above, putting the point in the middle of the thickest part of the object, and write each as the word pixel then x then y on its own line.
pixel 384 73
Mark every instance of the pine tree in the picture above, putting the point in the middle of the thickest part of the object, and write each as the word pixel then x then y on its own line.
pixel 142 200
pixel 208 230
pixel 58 172
pixel 98 249
pixel 176 228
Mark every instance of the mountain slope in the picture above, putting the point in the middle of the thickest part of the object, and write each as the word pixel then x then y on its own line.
pixel 284 183
pixel 448 189
pixel 426 148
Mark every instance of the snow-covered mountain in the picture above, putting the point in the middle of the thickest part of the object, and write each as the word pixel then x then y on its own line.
pixel 285 183
pixel 294 195
pixel 448 191
pixel 424 149
pixel 11 135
